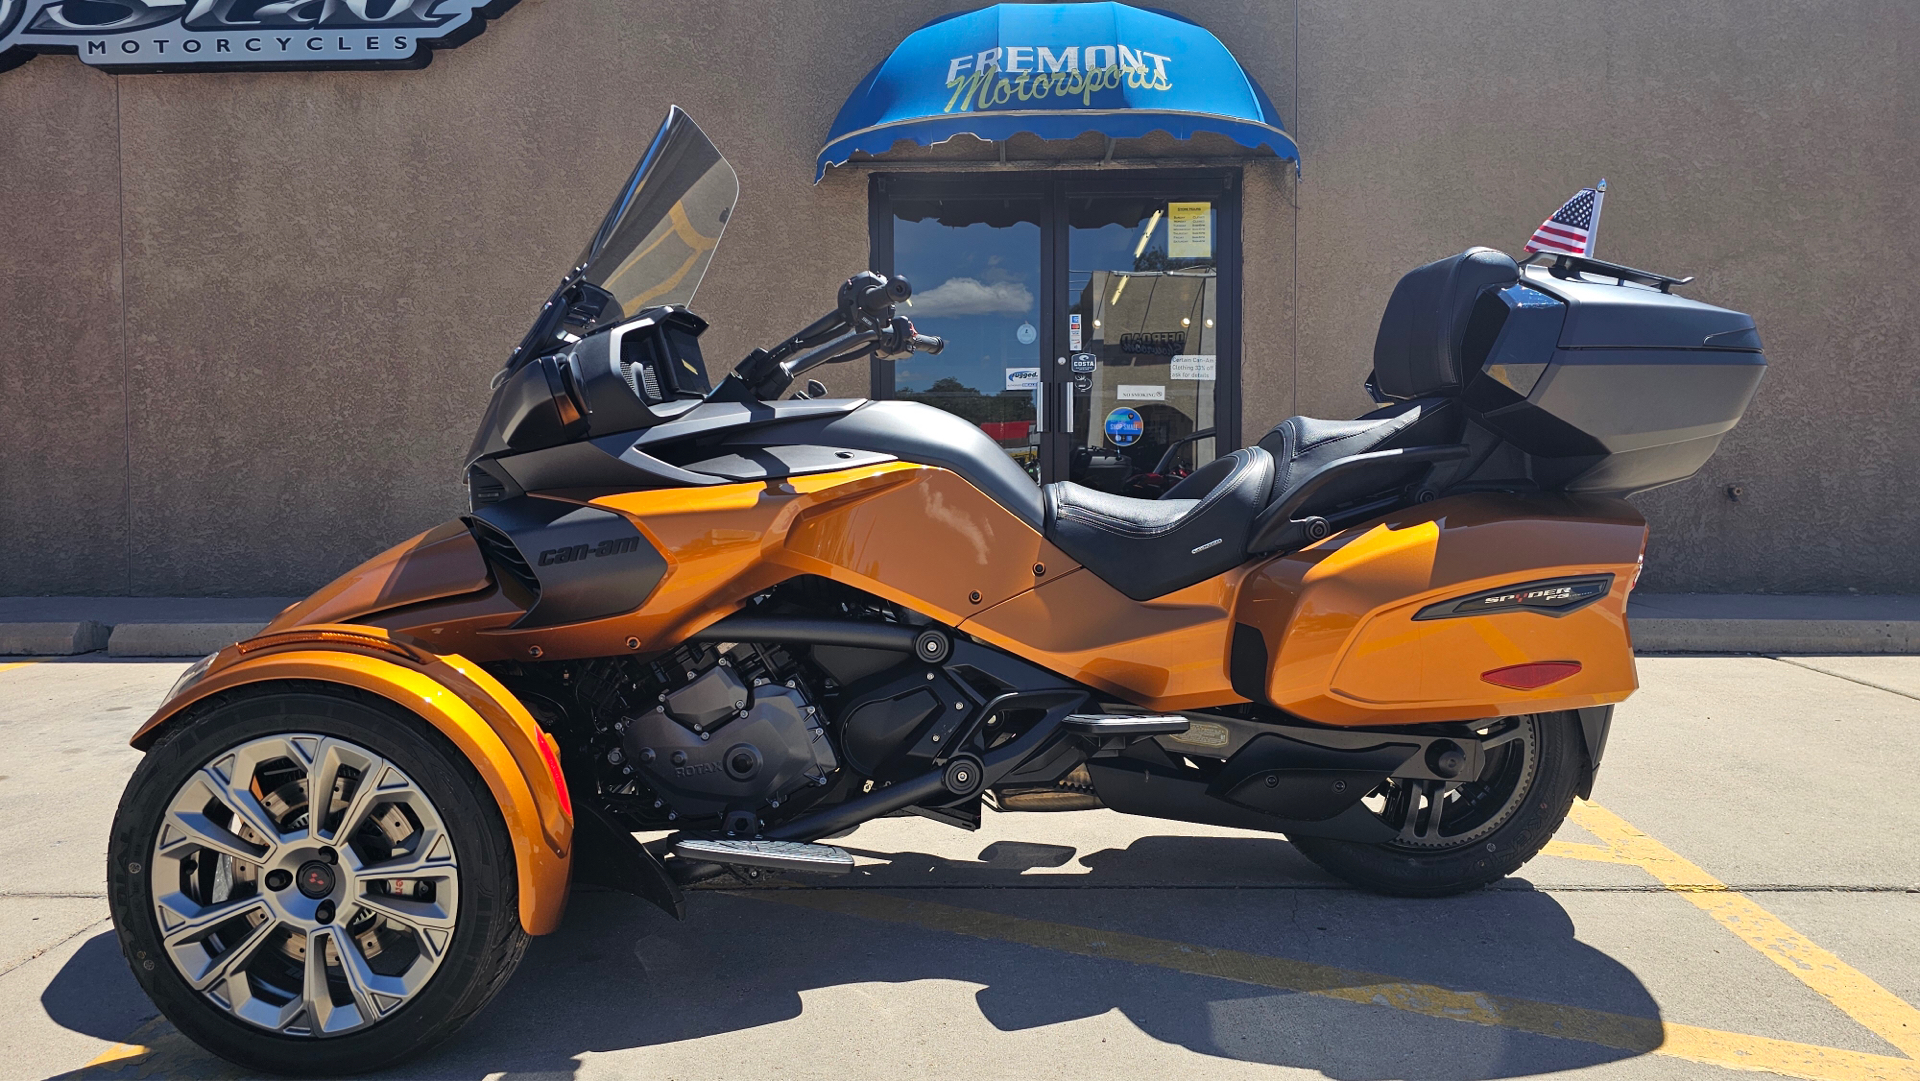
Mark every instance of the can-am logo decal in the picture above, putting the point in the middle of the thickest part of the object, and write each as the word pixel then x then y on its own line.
pixel 162 35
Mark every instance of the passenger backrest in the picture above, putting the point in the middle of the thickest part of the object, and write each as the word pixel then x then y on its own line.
pixel 1302 445
pixel 1417 353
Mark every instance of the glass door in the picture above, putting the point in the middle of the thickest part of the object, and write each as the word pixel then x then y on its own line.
pixel 1143 304
pixel 975 267
pixel 1090 317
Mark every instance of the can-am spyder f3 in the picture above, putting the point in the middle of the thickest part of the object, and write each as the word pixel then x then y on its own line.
pixel 750 623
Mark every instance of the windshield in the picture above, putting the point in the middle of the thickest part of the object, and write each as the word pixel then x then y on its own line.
pixel 655 244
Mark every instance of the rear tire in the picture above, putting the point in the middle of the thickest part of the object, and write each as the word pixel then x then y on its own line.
pixel 1525 817
pixel 266 1000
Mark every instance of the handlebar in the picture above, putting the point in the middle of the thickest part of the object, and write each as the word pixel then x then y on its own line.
pixel 863 324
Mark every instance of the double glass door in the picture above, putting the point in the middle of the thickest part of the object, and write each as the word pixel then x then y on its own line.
pixel 1084 317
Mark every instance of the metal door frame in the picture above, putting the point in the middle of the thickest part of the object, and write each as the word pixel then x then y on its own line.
pixel 1054 188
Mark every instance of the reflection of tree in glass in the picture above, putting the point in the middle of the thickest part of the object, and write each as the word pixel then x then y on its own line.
pixel 967 402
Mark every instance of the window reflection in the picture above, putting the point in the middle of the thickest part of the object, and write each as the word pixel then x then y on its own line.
pixel 975 269
pixel 1143 282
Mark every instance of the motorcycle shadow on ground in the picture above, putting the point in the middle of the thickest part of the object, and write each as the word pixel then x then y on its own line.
pixel 761 975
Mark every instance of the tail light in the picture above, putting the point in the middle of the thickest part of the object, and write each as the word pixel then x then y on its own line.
pixel 1531 676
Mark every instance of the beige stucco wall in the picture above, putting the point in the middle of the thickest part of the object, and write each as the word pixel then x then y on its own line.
pixel 249 319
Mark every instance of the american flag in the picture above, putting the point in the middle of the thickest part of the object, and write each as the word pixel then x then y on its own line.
pixel 1572 227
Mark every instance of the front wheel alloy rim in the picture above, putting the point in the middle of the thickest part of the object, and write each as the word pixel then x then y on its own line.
pixel 303 924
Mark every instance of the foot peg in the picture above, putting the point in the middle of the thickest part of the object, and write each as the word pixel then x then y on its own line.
pixel 1101 724
pixel 1116 732
pixel 776 855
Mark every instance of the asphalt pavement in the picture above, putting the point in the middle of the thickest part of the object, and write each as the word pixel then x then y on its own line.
pixel 1741 895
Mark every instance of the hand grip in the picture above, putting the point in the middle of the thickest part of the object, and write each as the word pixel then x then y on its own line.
pixel 927 343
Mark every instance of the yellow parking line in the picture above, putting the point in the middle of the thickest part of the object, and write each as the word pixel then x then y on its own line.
pixel 11 665
pixel 1639 1035
pixel 1879 1010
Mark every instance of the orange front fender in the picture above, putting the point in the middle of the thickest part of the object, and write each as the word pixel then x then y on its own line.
pixel 507 747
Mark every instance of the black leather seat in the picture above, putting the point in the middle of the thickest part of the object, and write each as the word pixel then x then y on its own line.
pixel 1417 365
pixel 1146 548
pixel 1302 445
pixel 1204 525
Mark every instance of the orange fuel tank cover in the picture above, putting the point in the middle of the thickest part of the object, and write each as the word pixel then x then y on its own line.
pixel 1527 677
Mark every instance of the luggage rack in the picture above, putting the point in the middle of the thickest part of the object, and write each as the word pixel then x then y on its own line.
pixel 1566 265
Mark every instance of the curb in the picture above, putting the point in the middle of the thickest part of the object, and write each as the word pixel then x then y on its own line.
pixel 176 639
pixel 63 639
pixel 1784 636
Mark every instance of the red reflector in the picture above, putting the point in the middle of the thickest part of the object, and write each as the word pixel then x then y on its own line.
pixel 1527 677
pixel 559 779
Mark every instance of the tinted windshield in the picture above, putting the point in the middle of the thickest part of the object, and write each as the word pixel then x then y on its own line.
pixel 656 241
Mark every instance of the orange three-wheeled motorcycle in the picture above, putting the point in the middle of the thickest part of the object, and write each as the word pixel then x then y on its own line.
pixel 746 624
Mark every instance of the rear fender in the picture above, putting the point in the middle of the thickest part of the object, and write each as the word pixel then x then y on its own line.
pixel 515 758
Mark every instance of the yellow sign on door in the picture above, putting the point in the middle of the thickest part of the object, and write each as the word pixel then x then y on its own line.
pixel 1189 231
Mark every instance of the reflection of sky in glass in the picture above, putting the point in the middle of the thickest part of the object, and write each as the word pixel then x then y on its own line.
pixel 974 286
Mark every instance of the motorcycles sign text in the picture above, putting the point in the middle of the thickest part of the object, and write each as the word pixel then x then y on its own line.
pixel 155 35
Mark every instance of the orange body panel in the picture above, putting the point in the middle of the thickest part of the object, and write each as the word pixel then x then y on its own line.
pixel 916 535
pixel 1343 646
pixel 457 697
pixel 442 562
pixel 1167 653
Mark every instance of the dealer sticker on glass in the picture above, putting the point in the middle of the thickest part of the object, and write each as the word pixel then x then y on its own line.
pixel 1193 366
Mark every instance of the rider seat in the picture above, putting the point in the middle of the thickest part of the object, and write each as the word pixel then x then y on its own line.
pixel 1148 547
pixel 1212 521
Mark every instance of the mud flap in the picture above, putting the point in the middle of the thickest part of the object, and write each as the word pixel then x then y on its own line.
pixel 1595 722
pixel 605 854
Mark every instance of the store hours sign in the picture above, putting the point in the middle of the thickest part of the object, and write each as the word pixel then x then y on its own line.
pixel 166 35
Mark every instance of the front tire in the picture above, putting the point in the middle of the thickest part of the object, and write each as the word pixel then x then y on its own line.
pixel 1455 838
pixel 304 944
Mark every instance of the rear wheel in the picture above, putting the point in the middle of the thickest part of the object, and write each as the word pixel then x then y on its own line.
pixel 1454 837
pixel 304 935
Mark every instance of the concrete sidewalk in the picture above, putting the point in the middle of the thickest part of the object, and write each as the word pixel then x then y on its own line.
pixel 131 626
pixel 1662 623
pixel 1774 623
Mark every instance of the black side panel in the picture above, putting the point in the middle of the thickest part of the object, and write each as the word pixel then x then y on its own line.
pixel 1133 787
pixel 1303 781
pixel 1247 663
pixel 589 563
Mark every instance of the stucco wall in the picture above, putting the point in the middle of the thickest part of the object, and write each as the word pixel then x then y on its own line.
pixel 1767 148
pixel 250 318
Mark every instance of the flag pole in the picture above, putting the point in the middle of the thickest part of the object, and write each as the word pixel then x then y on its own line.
pixel 1599 199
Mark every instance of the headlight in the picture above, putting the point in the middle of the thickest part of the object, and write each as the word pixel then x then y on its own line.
pixel 189 677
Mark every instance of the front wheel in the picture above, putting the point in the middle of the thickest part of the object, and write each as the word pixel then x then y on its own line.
pixel 310 880
pixel 1454 837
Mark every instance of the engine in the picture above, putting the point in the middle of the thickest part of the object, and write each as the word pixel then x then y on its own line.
pixel 717 744
pixel 704 733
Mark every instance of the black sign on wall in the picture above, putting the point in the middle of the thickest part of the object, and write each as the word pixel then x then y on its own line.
pixel 240 35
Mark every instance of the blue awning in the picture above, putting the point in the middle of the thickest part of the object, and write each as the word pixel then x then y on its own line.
pixel 1056 71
